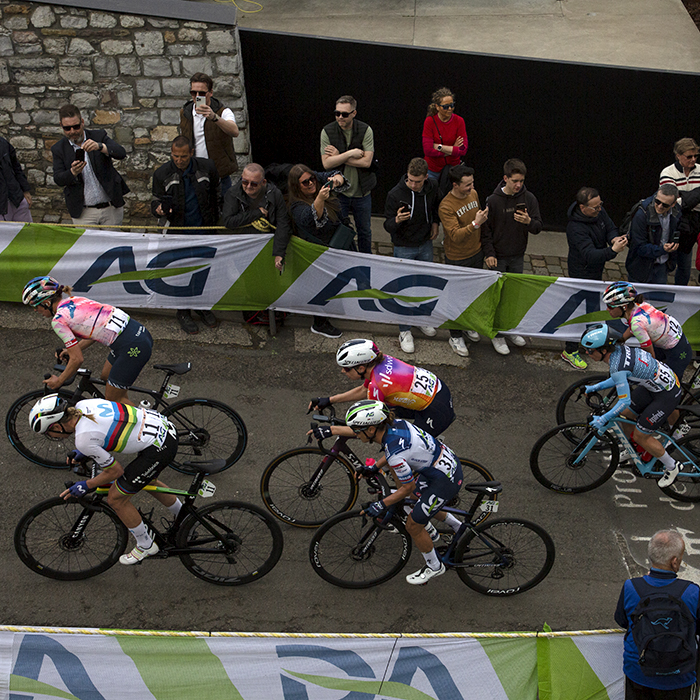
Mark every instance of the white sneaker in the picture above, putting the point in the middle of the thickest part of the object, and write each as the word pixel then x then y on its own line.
pixel 670 476
pixel 518 340
pixel 473 336
pixel 458 345
pixel 418 578
pixel 138 554
pixel 428 330
pixel 500 346
pixel 406 340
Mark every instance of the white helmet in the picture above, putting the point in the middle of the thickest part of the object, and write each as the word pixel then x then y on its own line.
pixel 46 411
pixel 365 413
pixel 359 351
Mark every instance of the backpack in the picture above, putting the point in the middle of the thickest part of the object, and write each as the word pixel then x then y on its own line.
pixel 663 629
pixel 626 225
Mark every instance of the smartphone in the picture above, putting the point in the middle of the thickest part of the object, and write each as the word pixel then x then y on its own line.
pixel 330 184
pixel 521 207
pixel 80 154
pixel 406 206
pixel 166 204
pixel 200 101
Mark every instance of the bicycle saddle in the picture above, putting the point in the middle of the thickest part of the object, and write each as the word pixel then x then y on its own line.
pixel 485 487
pixel 182 368
pixel 209 466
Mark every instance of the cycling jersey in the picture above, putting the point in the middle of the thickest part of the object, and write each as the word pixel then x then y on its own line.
pixel 653 327
pixel 397 383
pixel 80 318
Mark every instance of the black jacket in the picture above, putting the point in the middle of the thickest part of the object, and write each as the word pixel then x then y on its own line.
pixel 13 183
pixel 112 182
pixel 424 213
pixel 589 239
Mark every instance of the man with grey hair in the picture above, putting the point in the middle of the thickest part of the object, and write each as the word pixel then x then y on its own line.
pixel 665 552
pixel 653 237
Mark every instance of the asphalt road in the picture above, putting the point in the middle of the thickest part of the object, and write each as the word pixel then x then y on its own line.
pixel 503 404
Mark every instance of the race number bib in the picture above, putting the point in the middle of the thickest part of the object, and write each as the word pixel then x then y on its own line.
pixel 117 321
pixel 666 378
pixel 424 382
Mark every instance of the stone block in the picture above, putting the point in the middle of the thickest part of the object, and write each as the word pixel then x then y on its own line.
pixel 36 177
pixel 8 104
pixel 159 67
pixel 169 37
pixel 131 21
pixel 34 77
pixel 143 141
pixel 105 67
pixel 17 22
pixel 75 76
pixel 14 9
pixel 43 16
pixel 102 20
pixel 73 22
pixel 240 144
pixel 55 45
pixel 227 64
pixel 140 133
pixel 6 48
pixel 125 98
pixel 130 65
pixel 85 100
pixel 46 117
pixel 4 119
pixel 20 142
pixel 164 133
pixel 58 32
pixel 116 47
pixel 80 47
pixel 148 43
pixel 147 102
pixel 195 65
pixel 28 49
pixel 164 23
pixel 123 134
pixel 171 102
pixel 140 209
pixel 148 88
pixel 106 116
pixel 28 158
pixel 195 25
pixel 170 116
pixel 21 118
pixel 220 42
pixel 185 50
pixel 32 90
pixel 29 104
pixel 176 86
pixel 189 35
pixel 28 37
pixel 145 118
pixel 228 86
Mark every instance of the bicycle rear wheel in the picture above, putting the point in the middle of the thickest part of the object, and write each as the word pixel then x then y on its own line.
pixel 555 463
pixel 686 487
pixel 572 407
pixel 305 486
pixel 472 473
pixel 206 429
pixel 505 556
pixel 66 541
pixel 235 544
pixel 40 449
pixel 351 551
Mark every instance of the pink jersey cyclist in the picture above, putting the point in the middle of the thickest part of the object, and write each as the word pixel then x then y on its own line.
pixel 397 383
pixel 653 327
pixel 80 318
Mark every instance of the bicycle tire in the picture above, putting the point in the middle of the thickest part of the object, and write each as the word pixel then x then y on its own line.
pixel 552 459
pixel 288 493
pixel 206 429
pixel 686 486
pixel 525 555
pixel 571 406
pixel 52 539
pixel 253 535
pixel 39 449
pixel 339 555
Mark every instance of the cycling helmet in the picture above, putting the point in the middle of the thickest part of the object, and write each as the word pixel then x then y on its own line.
pixel 356 352
pixel 599 337
pixel 619 294
pixel 365 413
pixel 47 411
pixel 40 289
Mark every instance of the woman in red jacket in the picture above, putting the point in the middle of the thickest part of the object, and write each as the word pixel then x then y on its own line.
pixel 444 134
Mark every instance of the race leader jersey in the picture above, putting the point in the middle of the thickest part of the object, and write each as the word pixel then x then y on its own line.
pixel 399 384
pixel 117 428
pixel 653 327
pixel 81 318
pixel 409 449
pixel 639 367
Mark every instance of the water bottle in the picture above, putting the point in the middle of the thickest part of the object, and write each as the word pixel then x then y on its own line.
pixel 146 404
pixel 643 454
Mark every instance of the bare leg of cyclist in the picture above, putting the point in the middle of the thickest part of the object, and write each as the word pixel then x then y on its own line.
pixel 117 395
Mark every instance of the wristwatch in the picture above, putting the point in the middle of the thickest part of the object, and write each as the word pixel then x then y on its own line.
pixel 439 147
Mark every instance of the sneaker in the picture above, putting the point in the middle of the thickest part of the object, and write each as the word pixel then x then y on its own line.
pixel 428 330
pixel 518 340
pixel 433 532
pixel 187 322
pixel 458 345
pixel 208 318
pixel 574 359
pixel 418 578
pixel 473 336
pixel 682 429
pixel 406 340
pixel 669 476
pixel 500 346
pixel 326 328
pixel 138 554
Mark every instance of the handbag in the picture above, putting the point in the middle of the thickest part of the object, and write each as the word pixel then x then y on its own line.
pixel 343 238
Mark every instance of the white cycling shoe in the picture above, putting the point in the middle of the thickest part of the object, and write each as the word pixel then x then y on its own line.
pixel 424 575
pixel 138 554
pixel 669 476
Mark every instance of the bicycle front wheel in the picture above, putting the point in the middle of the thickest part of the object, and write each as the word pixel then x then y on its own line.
pixel 686 487
pixel 504 557
pixel 40 449
pixel 572 407
pixel 352 551
pixel 231 543
pixel 206 429
pixel 556 461
pixel 305 486
pixel 66 541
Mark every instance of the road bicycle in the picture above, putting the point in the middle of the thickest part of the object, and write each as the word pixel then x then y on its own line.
pixel 206 429
pixel 307 485
pixel 227 543
pixel 500 557
pixel 575 458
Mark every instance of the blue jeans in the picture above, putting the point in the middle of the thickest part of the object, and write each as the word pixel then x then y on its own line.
pixel 361 210
pixel 422 252
pixel 434 176
pixel 658 274
pixel 682 268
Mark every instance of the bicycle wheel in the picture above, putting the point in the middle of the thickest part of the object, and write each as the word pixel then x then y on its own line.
pixel 686 487
pixel 351 551
pixel 572 407
pixel 505 556
pixel 555 463
pixel 235 544
pixel 64 540
pixel 206 429
pixel 40 449
pixel 294 491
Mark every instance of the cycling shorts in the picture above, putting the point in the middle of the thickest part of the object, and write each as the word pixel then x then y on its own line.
pixel 677 358
pixel 654 408
pixel 434 418
pixel 128 355
pixel 148 464
pixel 432 496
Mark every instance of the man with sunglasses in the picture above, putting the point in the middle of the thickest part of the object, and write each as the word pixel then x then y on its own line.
pixel 653 237
pixel 347 144
pixel 82 165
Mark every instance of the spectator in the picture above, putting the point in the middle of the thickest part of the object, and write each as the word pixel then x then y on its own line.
pixel 444 135
pixel 513 214
pixel 82 165
pixel 665 552
pixel 593 240
pixel 210 127
pixel 347 144
pixel 461 218
pixel 186 193
pixel 254 205
pixel 15 194
pixel 685 175
pixel 411 218
pixel 653 237
pixel 315 211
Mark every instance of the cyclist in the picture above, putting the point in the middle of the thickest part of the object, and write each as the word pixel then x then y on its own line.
pixel 79 322
pixel 408 450
pixel 412 392
pixel 651 403
pixel 101 427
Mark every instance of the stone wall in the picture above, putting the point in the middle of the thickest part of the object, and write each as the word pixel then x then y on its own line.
pixel 128 74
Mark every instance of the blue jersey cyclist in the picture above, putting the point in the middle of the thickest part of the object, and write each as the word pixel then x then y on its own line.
pixel 653 400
